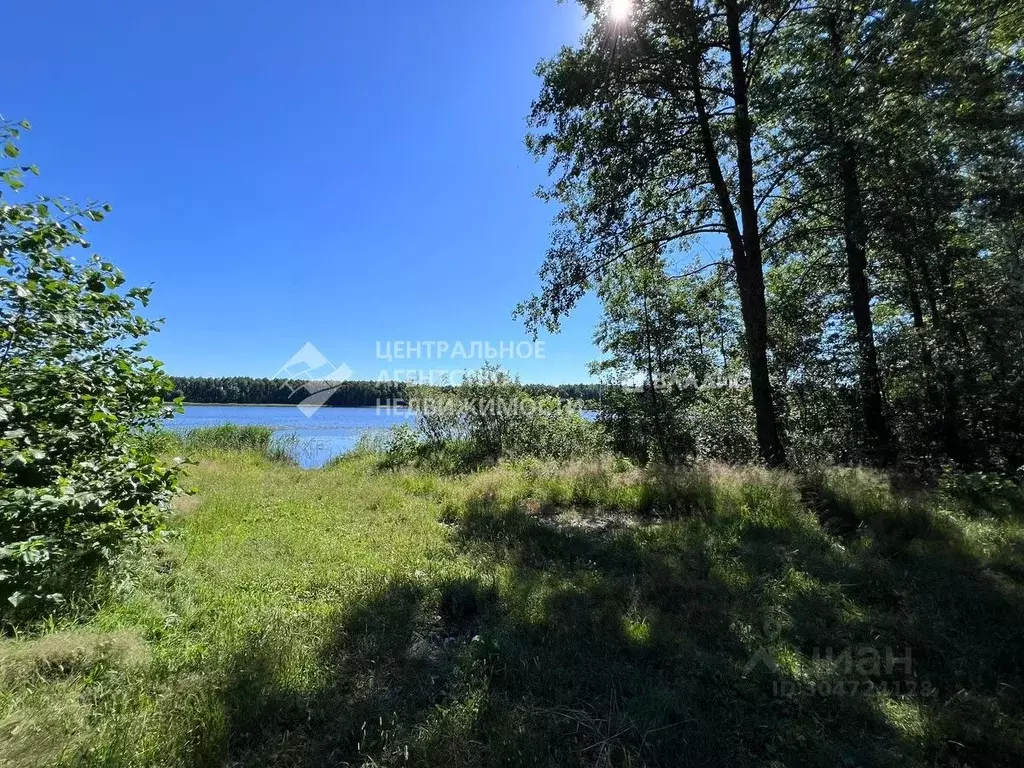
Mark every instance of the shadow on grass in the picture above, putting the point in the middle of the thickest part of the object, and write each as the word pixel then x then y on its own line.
pixel 755 633
pixel 390 661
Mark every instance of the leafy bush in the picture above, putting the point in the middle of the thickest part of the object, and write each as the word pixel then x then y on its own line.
pixel 399 445
pixel 76 392
pixel 721 421
pixel 983 492
pixel 647 424
pixel 490 416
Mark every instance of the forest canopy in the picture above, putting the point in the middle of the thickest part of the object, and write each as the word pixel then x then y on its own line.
pixel 348 394
pixel 821 200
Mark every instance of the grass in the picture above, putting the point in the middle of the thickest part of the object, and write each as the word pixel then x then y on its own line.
pixel 202 441
pixel 592 614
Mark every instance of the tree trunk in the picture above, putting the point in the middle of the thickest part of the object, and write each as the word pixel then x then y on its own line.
pixel 950 419
pixel 917 312
pixel 755 322
pixel 750 274
pixel 880 447
pixel 656 414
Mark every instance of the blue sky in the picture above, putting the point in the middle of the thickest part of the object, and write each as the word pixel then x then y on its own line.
pixel 339 173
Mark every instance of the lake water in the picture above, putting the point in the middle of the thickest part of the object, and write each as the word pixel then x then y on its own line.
pixel 329 432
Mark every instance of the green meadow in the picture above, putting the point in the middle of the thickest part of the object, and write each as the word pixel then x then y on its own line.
pixel 590 613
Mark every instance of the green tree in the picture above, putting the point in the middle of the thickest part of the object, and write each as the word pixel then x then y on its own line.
pixel 821 83
pixel 651 130
pixel 642 336
pixel 77 397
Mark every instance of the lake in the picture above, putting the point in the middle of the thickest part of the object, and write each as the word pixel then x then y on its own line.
pixel 329 432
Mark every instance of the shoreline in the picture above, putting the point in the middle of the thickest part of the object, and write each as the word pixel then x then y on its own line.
pixel 287 405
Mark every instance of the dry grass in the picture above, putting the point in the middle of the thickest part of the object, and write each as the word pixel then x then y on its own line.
pixel 69 654
pixel 46 718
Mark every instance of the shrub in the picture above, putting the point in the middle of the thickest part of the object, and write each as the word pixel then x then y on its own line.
pixel 983 492
pixel 722 425
pixel 647 424
pixel 76 392
pixel 709 423
pixel 490 416
pixel 400 445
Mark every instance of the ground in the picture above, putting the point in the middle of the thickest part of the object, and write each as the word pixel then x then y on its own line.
pixel 593 614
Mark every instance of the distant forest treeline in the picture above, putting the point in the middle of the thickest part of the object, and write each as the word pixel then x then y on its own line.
pixel 245 390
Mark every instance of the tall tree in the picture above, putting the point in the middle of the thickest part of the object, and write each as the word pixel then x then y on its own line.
pixel 650 127
pixel 820 88
pixel 949 155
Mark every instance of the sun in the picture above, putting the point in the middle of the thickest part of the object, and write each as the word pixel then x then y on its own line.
pixel 620 10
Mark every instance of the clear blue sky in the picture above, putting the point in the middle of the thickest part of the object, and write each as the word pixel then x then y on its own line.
pixel 338 173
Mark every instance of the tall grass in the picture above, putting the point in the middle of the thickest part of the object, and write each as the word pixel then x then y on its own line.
pixel 591 613
pixel 252 439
